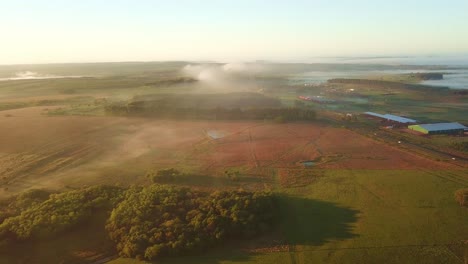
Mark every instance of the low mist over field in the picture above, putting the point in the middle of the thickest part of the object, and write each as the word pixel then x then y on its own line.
pixel 234 132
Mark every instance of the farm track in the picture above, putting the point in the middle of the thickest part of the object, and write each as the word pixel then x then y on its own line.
pixel 252 149
pixel 449 176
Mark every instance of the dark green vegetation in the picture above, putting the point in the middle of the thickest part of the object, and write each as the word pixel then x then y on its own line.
pixel 427 75
pixel 149 222
pixel 38 217
pixel 382 84
pixel 414 78
pixel 226 106
pixel 161 221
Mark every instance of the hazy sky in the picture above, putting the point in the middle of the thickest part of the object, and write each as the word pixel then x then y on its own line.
pixel 122 30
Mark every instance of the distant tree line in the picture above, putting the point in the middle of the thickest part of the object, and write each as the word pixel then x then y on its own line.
pixel 428 75
pixel 144 222
pixel 169 82
pixel 228 106
pixel 142 108
pixel 208 101
pixel 384 84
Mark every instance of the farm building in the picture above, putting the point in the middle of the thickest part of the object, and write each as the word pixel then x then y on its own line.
pixel 391 118
pixel 439 128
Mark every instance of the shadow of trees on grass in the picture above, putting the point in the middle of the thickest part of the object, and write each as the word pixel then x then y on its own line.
pixel 301 221
pixel 198 180
pixel 314 222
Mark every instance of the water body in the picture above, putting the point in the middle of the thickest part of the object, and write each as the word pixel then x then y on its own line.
pixel 454 78
pixel 29 75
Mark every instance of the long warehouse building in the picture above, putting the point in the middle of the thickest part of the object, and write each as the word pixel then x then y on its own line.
pixel 391 118
pixel 439 128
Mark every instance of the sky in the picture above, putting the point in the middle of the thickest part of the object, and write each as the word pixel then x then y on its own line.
pixel 54 31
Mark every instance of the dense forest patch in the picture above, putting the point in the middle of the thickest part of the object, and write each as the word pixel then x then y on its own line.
pixel 143 222
pixel 160 221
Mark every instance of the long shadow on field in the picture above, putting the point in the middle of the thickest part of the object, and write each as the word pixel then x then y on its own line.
pixel 301 221
pixel 314 222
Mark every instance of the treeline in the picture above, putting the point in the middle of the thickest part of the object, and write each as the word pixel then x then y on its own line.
pixel 384 84
pixel 209 100
pixel 170 82
pixel 142 108
pixel 220 106
pixel 144 222
pixel 39 215
pixel 159 221
pixel 428 75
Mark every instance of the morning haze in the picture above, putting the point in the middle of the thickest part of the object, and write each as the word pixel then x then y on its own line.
pixel 227 132
pixel 90 31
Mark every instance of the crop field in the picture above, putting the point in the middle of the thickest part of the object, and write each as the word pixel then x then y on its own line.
pixel 51 151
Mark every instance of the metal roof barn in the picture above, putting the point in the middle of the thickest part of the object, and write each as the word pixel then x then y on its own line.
pixel 399 119
pixel 439 128
pixel 393 118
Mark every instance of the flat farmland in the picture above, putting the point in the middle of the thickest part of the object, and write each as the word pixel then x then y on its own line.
pixel 286 145
pixel 59 152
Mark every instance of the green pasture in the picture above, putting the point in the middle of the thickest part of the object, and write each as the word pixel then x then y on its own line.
pixel 363 216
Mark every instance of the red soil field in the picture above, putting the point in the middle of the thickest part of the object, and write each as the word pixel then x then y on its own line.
pixel 40 151
pixel 284 145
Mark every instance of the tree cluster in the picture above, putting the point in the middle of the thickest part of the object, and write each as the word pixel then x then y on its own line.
pixel 160 220
pixel 21 202
pixel 164 176
pixel 144 222
pixel 38 217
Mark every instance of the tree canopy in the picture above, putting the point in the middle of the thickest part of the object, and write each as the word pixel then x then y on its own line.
pixel 161 220
pixel 144 222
